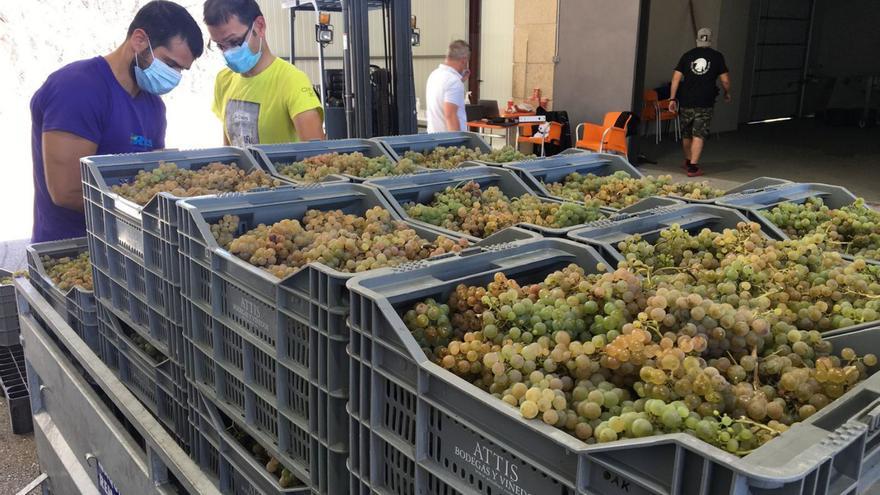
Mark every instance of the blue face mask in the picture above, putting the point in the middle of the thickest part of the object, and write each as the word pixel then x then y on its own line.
pixel 158 78
pixel 240 59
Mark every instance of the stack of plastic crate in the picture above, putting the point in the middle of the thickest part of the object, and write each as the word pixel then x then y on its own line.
pixel 134 254
pixel 9 330
pixel 269 354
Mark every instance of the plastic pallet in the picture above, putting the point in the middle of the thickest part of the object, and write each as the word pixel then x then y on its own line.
pixel 417 428
pixel 77 305
pixel 267 155
pixel 158 382
pixel 397 146
pixel 271 352
pixel 13 381
pixel 9 330
pixel 232 468
pixel 420 189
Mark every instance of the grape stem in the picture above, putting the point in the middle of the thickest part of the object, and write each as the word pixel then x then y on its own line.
pixel 861 294
pixel 756 380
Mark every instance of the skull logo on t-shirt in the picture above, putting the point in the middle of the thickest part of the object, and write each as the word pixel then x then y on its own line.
pixel 700 66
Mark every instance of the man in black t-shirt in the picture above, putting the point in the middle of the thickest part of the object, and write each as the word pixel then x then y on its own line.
pixel 693 96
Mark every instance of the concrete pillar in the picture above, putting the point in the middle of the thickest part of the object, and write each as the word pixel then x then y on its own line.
pixel 534 42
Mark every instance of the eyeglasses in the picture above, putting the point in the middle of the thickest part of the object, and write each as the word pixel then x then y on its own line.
pixel 226 45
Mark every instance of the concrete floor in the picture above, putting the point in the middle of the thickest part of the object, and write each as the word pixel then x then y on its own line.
pixel 18 456
pixel 802 151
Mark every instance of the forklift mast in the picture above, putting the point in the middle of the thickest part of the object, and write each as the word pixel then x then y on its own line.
pixel 392 87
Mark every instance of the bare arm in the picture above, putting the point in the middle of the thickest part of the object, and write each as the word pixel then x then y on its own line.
pixel 450 114
pixel 673 90
pixel 61 154
pixel 725 83
pixel 309 125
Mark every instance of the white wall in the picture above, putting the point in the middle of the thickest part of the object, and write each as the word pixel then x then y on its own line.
pixel 496 57
pixel 439 22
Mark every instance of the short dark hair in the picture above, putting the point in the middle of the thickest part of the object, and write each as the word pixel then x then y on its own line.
pixel 163 20
pixel 218 12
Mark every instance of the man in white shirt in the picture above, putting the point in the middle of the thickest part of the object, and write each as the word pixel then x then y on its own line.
pixel 445 90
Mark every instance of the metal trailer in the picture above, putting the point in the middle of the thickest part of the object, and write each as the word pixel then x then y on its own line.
pixel 92 435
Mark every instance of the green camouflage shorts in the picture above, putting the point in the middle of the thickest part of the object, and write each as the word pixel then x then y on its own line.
pixel 695 122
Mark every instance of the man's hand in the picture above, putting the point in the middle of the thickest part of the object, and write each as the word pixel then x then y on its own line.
pixel 465 75
pixel 673 106
pixel 728 97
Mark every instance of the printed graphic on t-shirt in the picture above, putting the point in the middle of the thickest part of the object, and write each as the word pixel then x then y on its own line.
pixel 141 141
pixel 242 118
pixel 700 66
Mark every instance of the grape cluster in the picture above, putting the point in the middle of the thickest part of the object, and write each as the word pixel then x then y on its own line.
pixel 11 278
pixel 853 229
pixel 273 466
pixel 620 190
pixel 148 348
pixel 213 178
pixel 481 212
pixel 348 243
pixel 67 272
pixel 451 157
pixel 721 339
pixel 318 167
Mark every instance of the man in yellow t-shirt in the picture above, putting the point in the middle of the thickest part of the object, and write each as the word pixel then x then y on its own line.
pixel 260 98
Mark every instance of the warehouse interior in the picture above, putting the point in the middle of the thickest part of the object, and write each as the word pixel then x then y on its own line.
pixel 163 352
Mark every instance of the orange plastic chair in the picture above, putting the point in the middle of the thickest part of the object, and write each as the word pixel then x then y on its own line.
pixel 554 136
pixel 657 110
pixel 603 138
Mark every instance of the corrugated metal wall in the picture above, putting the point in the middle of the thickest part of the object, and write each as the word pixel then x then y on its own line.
pixel 440 22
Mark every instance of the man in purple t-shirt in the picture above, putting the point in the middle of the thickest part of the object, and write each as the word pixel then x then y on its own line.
pixel 105 105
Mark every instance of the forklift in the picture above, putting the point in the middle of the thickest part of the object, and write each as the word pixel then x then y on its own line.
pixel 363 100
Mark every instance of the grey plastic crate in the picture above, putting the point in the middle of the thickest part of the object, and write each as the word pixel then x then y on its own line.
pixel 158 382
pixel 146 233
pixel 270 352
pixel 268 155
pixel 77 305
pixel 537 173
pixel 417 428
pixel 232 468
pixel 421 188
pixel 151 304
pixel 9 330
pixel 605 235
pixel 397 146
pixel 13 381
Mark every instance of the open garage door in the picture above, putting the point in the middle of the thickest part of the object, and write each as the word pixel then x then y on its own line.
pixel 781 50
